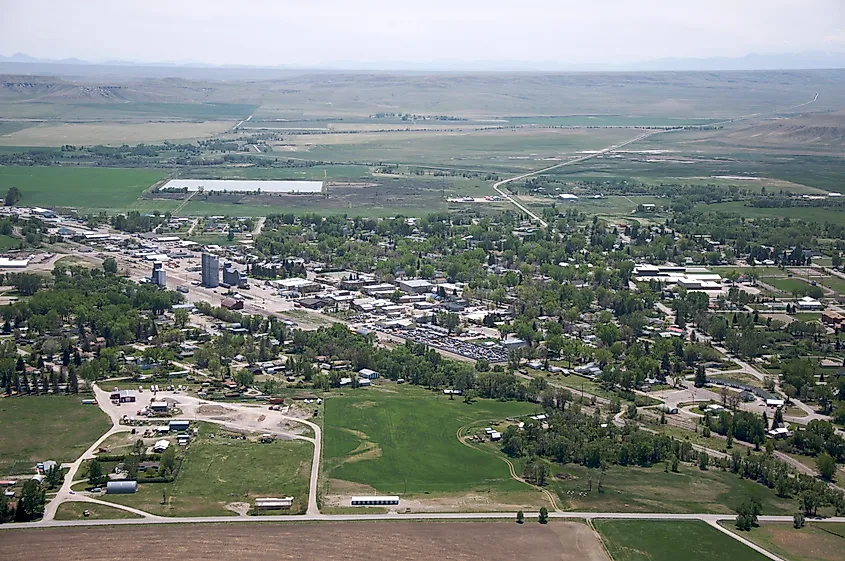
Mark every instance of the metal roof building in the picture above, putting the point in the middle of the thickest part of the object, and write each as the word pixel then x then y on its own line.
pixel 121 487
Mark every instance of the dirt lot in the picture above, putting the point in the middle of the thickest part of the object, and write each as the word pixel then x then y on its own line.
pixel 460 541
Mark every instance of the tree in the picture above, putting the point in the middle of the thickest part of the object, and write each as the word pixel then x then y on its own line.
pixel 520 517
pixel 168 461
pixel 110 266
pixel 700 377
pixel 631 412
pixel 95 472
pixel 32 501
pixel 747 514
pixel 181 318
pixel 826 466
pixel 53 477
pixel 798 520
pixel 544 515
pixel 13 195
pixel 703 460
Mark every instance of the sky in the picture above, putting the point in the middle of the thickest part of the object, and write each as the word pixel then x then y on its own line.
pixel 319 32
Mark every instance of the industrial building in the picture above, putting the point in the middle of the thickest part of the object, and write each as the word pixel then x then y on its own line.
pixel 210 270
pixel 232 276
pixel 159 276
pixel 271 503
pixel 375 501
pixel 121 487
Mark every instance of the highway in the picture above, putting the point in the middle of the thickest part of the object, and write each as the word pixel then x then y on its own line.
pixel 497 186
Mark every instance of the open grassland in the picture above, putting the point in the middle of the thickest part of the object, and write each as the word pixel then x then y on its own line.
pixel 803 213
pixel 112 133
pixel 403 440
pixel 326 541
pixel 814 542
pixel 82 188
pixel 506 149
pixel 219 471
pixel 75 511
pixel 652 540
pixel 637 489
pixel 37 428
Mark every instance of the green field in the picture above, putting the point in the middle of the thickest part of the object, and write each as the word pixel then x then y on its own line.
pixel 90 189
pixel 404 440
pixel 814 542
pixel 789 284
pixel 606 121
pixel 37 428
pixel 652 540
pixel 220 470
pixel 74 511
pixel 637 489
pixel 802 213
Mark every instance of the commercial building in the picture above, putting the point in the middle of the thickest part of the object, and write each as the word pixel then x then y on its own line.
pixel 415 286
pixel 210 270
pixel 232 304
pixel 179 425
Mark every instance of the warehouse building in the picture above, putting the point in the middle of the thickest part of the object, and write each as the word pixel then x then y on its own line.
pixel 121 487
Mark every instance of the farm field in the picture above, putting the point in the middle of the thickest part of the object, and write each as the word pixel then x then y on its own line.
pixel 652 540
pixel 638 489
pixel 814 542
pixel 420 541
pixel 219 471
pixel 113 133
pixel 90 189
pixel 37 428
pixel 74 511
pixel 403 440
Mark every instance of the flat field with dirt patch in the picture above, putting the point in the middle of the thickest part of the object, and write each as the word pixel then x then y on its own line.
pixel 457 541
pixel 405 441
pixel 814 542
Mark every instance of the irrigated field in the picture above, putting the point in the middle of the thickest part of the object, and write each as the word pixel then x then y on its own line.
pixel 651 540
pixel 814 542
pixel 82 188
pixel 403 440
pixel 366 541
pixel 41 428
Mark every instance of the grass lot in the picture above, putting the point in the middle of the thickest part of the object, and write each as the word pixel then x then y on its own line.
pixel 83 188
pixel 814 542
pixel 73 511
pixel 636 489
pixel 789 284
pixel 40 428
pixel 652 540
pixel 217 471
pixel 404 439
pixel 8 242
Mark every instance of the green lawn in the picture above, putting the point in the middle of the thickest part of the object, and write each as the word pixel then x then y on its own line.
pixel 814 542
pixel 220 470
pixel 637 489
pixel 74 511
pixel 405 439
pixel 653 540
pixel 107 189
pixel 41 428
pixel 789 284
pixel 8 242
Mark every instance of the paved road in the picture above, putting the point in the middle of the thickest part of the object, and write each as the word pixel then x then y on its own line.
pixel 497 186
pixel 709 518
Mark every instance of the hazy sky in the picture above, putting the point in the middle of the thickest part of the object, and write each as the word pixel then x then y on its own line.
pixel 267 32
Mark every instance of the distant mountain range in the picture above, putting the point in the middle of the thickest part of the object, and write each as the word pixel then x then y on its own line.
pixel 789 61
